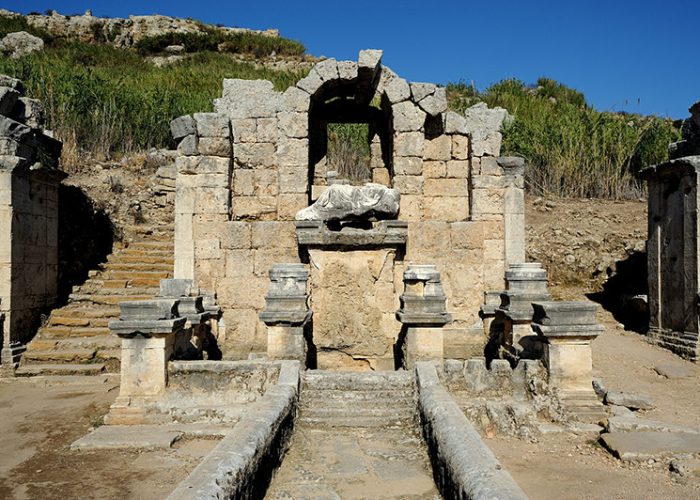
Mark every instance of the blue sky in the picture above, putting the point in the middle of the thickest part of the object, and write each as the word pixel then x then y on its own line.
pixel 639 56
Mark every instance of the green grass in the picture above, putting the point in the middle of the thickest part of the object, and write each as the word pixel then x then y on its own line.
pixel 256 44
pixel 104 100
pixel 572 149
pixel 13 24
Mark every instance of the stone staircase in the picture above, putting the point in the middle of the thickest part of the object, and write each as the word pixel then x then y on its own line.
pixel 76 339
pixel 357 399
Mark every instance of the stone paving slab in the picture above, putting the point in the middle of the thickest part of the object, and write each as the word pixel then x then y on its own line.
pixel 115 437
pixel 644 445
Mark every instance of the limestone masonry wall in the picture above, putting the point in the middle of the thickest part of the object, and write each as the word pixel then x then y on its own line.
pixel 29 181
pixel 246 169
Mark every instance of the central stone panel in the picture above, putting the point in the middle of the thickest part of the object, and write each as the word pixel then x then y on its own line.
pixel 355 281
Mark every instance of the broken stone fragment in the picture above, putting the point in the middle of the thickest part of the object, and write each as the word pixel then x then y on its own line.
pixel 344 202
pixel 182 126
pixel 628 399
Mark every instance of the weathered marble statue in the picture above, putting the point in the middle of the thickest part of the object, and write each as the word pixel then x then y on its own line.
pixel 342 202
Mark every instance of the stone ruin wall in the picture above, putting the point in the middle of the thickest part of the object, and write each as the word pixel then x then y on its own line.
pixel 29 183
pixel 244 172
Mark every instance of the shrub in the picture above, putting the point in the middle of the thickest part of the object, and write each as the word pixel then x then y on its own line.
pixel 572 149
pixel 104 100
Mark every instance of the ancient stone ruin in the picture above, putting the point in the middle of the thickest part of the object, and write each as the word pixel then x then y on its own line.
pixel 29 180
pixel 672 245
pixel 306 305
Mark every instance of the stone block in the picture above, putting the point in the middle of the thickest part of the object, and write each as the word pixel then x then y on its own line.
pixel 188 146
pixel 488 202
pixel 460 147
pixel 431 237
pixel 245 130
pixel 296 100
pixel 290 204
pixel 487 182
pixel 239 293
pixel 397 90
pixel 369 58
pixel 310 83
pixel 293 180
pixel 439 148
pixel 381 176
pixel 468 235
pixel 254 207
pixel 347 70
pixel 446 187
pixel 455 124
pixel 411 207
pixel 424 344
pixel 407 116
pixel 408 184
pixel 286 342
pixel 269 234
pixel 458 169
pixel 448 209
pixel 327 69
pixel 489 166
pixel 236 234
pixel 213 146
pixel 249 99
pixel 212 201
pixel 266 182
pixel 243 184
pixel 251 155
pixel 435 103
pixel 408 144
pixel 212 125
pixel 239 263
pixel 408 165
pixel 494 249
pixel 434 169
pixel 182 127
pixel 293 152
pixel 295 125
pixel 207 249
pixel 420 91
pixel 266 130
pixel 30 112
pixel 265 258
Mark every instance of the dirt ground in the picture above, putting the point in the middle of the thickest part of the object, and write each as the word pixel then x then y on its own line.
pixel 579 241
pixel 38 424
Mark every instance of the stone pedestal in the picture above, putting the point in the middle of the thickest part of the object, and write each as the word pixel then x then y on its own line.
pixel 568 329
pixel 527 283
pixel 423 313
pixel 148 330
pixel 286 312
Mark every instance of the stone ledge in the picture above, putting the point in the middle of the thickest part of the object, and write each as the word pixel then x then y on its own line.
pixel 385 233
pixel 470 469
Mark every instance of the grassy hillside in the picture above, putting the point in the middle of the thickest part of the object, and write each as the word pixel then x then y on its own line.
pixel 572 150
pixel 101 100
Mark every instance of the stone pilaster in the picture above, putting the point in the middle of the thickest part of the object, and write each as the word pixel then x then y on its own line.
pixel 147 329
pixel 568 328
pixel 423 314
pixel 287 312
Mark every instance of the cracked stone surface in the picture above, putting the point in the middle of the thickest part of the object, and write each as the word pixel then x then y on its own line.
pixel 354 463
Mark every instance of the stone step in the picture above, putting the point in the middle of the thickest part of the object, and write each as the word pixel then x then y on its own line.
pixel 138 266
pixel 92 312
pixel 98 290
pixel 58 355
pixel 96 342
pixel 381 422
pixel 107 299
pixel 137 275
pixel 139 258
pixel 354 399
pixel 363 381
pixel 387 412
pixel 53 332
pixel 60 369
pixel 73 320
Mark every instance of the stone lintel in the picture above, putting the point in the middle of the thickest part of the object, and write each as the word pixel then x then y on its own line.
pixel 423 319
pixel 155 309
pixel 679 167
pixel 569 333
pixel 146 327
pixel 551 313
pixel 291 318
pixel 385 233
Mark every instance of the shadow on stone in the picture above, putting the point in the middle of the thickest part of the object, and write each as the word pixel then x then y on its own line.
pixel 85 238
pixel 625 293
